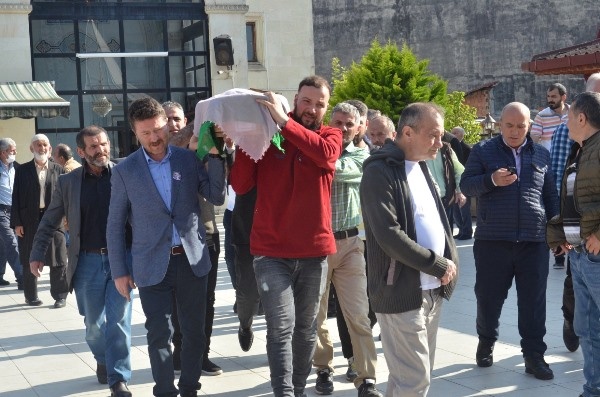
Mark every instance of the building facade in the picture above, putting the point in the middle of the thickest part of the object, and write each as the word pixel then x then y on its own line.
pixel 102 55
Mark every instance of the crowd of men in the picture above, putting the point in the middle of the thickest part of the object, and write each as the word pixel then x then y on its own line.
pixel 359 204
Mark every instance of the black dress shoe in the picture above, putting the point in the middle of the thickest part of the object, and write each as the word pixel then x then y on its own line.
pixel 536 366
pixel 246 337
pixel 20 286
pixel 119 389
pixel 571 340
pixel 34 302
pixel 59 303
pixel 484 355
pixel 463 237
pixel 101 374
pixel 4 282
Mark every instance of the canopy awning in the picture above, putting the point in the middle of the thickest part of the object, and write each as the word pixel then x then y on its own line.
pixel 582 58
pixel 28 99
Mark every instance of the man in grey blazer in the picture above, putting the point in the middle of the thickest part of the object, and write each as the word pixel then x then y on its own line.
pixel 155 189
pixel 83 197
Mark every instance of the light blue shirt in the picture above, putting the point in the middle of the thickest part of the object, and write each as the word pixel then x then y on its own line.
pixel 161 174
pixel 7 180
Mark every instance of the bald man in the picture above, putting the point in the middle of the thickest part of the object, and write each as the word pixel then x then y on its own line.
pixel 380 128
pixel 511 176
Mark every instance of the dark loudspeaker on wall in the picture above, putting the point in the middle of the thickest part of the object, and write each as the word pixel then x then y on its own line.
pixel 223 50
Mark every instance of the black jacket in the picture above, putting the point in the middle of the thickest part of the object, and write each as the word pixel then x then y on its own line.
pixel 25 211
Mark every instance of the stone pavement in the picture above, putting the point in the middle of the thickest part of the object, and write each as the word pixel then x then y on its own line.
pixel 44 354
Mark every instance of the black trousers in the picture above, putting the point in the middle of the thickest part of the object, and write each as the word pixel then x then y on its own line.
pixel 58 283
pixel 56 253
pixel 246 293
pixel 213 251
pixel 568 307
pixel 497 263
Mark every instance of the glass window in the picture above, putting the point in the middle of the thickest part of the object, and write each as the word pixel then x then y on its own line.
pixel 101 74
pixel 52 37
pixel 99 36
pixel 60 70
pixel 251 41
pixel 104 83
pixel 146 72
pixel 144 36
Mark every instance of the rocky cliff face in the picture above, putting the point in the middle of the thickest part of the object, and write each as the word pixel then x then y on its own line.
pixel 468 42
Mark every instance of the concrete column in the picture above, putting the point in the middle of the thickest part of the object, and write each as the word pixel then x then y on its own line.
pixel 228 17
pixel 15 64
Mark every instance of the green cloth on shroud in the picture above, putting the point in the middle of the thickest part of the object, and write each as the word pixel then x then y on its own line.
pixel 207 139
pixel 277 140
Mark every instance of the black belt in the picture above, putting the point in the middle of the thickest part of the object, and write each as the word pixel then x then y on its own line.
pixel 342 234
pixel 99 251
pixel 177 250
pixel 42 210
pixel 579 248
pixel 4 207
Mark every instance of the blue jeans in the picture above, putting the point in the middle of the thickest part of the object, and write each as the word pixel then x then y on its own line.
pixel 290 290
pixel 157 301
pixel 229 248
pixel 585 269
pixel 9 250
pixel 107 315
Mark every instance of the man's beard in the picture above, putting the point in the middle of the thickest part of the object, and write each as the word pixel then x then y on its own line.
pixel 314 125
pixel 555 106
pixel 96 162
pixel 41 157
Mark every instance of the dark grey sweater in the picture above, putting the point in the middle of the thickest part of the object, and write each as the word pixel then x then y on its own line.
pixel 394 258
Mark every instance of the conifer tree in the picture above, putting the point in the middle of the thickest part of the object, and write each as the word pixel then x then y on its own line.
pixel 387 79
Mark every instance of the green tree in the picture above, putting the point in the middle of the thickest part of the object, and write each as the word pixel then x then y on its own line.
pixel 387 79
pixel 459 114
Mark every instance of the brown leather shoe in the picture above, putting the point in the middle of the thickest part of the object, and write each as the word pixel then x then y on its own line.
pixel 101 374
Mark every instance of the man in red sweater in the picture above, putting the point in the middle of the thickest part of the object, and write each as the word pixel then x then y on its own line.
pixel 291 235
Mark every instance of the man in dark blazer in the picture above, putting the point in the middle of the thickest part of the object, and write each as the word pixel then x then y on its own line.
pixel 83 197
pixel 35 181
pixel 155 190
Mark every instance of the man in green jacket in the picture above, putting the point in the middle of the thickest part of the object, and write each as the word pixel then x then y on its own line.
pixel 577 230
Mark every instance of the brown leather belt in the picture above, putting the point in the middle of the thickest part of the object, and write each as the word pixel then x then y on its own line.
pixel 99 251
pixel 177 250
pixel 342 234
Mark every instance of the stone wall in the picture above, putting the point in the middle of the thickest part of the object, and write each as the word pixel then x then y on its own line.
pixel 468 42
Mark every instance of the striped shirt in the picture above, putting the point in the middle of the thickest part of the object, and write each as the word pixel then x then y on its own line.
pixel 544 125
pixel 345 197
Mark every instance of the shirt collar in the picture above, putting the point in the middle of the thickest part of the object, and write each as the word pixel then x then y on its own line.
pixel 41 167
pixel 149 160
pixel 350 148
pixel 516 151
